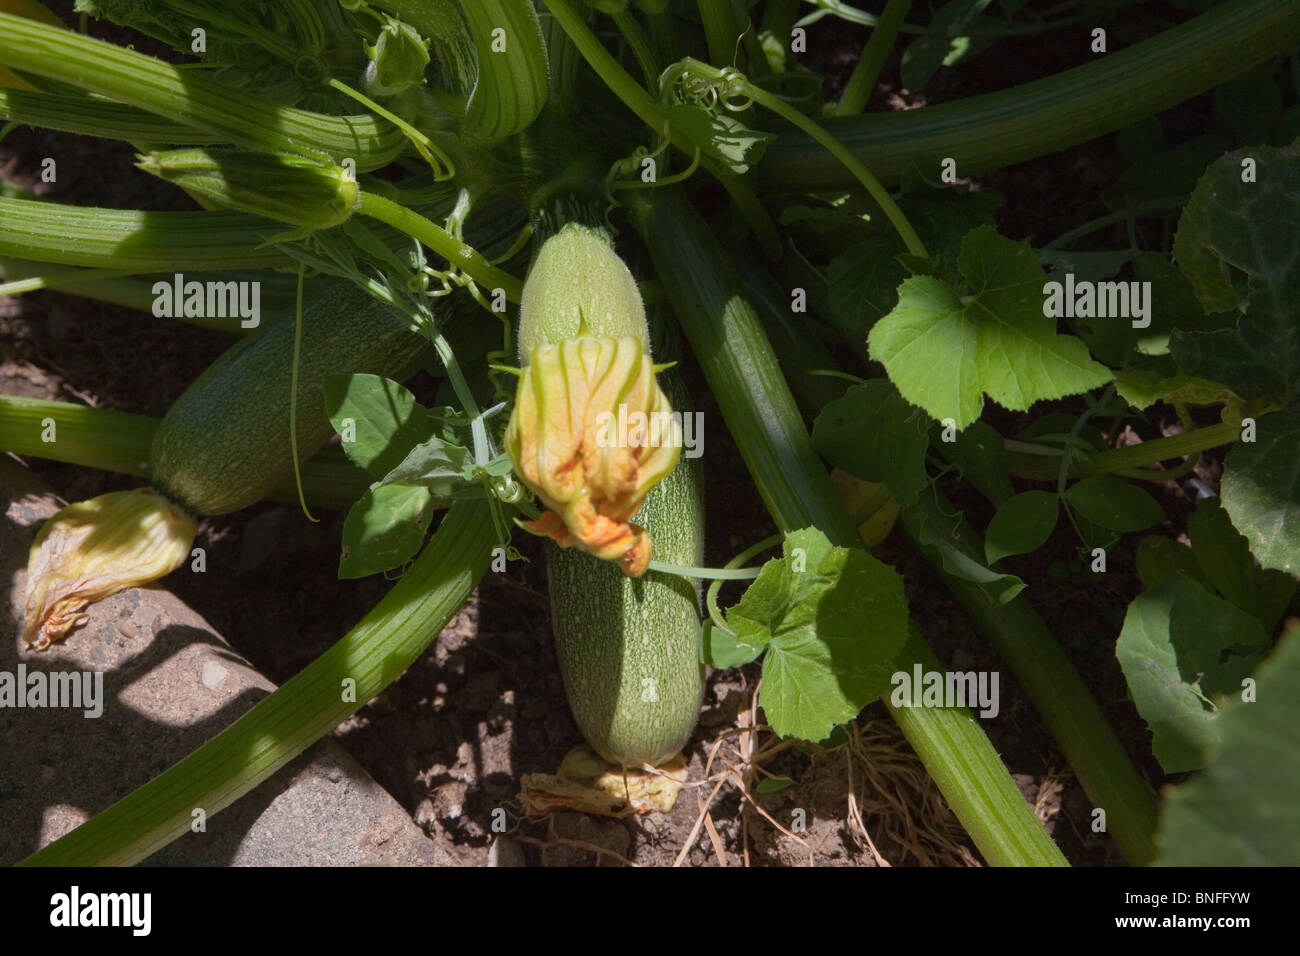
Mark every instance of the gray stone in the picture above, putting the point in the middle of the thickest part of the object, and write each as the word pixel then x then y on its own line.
pixel 169 683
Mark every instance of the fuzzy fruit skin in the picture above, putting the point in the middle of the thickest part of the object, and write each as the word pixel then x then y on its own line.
pixel 578 285
pixel 224 444
pixel 629 648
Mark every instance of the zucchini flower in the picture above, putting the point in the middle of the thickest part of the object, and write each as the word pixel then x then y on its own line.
pixel 95 548
pixel 590 434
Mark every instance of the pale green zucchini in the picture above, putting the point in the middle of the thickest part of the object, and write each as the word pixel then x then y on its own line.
pixel 224 444
pixel 629 647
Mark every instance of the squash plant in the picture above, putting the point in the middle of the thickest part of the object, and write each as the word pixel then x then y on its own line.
pixel 592 140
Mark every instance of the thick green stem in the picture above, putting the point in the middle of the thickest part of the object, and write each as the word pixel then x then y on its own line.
pixel 86 116
pixel 193 99
pixel 863 80
pixel 1125 459
pixel 1048 115
pixel 637 42
pixel 1071 714
pixel 720 30
pixel 333 687
pixel 737 359
pixel 135 241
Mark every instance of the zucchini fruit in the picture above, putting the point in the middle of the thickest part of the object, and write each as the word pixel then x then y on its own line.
pixel 628 648
pixel 223 445
pixel 627 639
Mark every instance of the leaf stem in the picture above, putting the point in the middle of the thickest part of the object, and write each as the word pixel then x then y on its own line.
pixel 640 102
pixel 458 254
pixel 867 71
pixel 372 655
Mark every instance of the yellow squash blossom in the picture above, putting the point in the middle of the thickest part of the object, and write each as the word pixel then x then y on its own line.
pixel 95 548
pixel 590 434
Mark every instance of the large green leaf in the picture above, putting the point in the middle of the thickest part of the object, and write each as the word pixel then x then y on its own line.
pixel 1238 243
pixel 1223 555
pixel 864 278
pixel 832 619
pixel 944 351
pixel 870 432
pixel 1261 490
pixel 1180 646
pixel 1242 810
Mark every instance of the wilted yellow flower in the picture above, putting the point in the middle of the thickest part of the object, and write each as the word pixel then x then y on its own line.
pixel 95 548
pixel 590 434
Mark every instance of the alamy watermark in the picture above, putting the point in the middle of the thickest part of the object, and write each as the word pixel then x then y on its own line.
pixel 637 429
pixel 78 690
pixel 75 908
pixel 1084 299
pixel 921 688
pixel 208 300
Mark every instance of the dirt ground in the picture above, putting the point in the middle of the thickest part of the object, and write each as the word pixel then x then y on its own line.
pixel 451 738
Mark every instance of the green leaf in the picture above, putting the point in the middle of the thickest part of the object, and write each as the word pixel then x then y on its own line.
pixel 1261 490
pixel 1171 305
pixel 1159 558
pixel 944 45
pixel 869 432
pixel 864 279
pixel 720 136
pixel 722 650
pixel 1241 810
pixel 1238 245
pixel 1084 266
pixel 980 455
pixel 1161 175
pixel 434 463
pixel 398 59
pixel 1219 558
pixel 1180 645
pixel 1115 504
pixel 773 784
pixel 999 587
pixel 380 416
pixel 1222 554
pixel 384 529
pixel 1021 524
pixel 863 283
pixel 944 351
pixel 822 665
pixel 1142 388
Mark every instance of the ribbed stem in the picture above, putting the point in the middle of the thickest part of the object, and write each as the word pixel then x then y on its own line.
pixel 1073 717
pixel 135 241
pixel 373 654
pixel 729 344
pixel 1034 119
pixel 192 98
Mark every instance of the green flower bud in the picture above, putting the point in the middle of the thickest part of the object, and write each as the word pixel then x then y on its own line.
pixel 397 60
pixel 295 189
pixel 578 285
